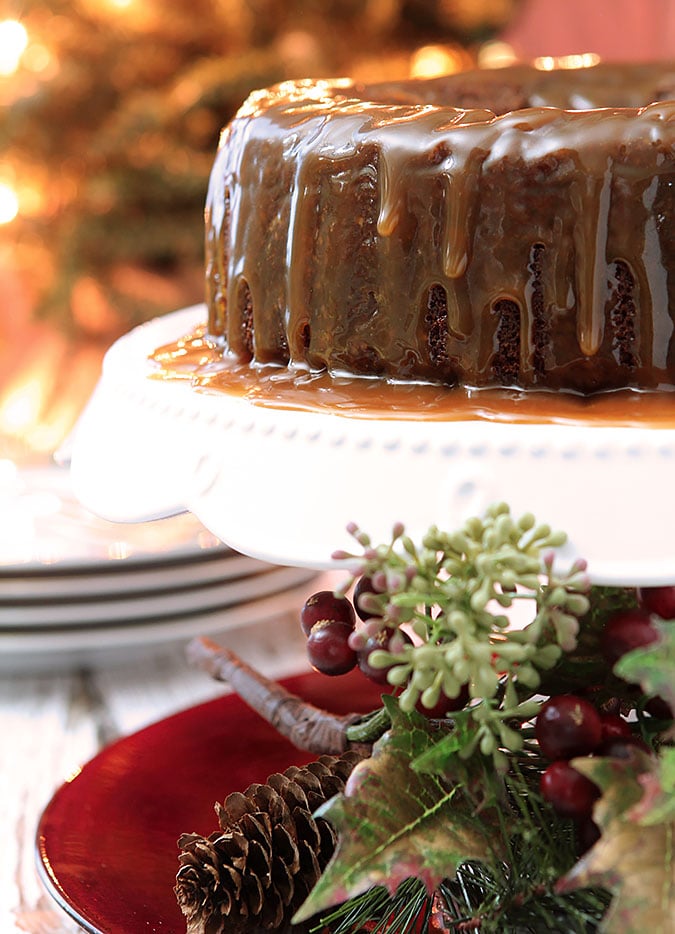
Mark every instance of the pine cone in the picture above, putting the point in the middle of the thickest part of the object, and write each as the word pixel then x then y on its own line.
pixel 255 872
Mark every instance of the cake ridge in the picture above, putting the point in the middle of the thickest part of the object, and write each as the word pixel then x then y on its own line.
pixel 336 214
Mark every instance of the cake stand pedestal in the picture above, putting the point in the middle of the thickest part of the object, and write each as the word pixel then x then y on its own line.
pixel 282 484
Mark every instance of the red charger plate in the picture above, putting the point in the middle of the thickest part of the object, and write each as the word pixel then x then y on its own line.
pixel 106 842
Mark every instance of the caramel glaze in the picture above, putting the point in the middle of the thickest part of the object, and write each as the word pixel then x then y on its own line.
pixel 511 229
pixel 201 360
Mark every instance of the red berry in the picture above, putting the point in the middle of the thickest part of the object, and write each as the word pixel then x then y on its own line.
pixel 613 727
pixel 625 631
pixel 378 641
pixel 444 705
pixel 570 792
pixel 658 600
pixel 325 605
pixel 328 648
pixel 567 726
pixel 364 585
pixel 622 747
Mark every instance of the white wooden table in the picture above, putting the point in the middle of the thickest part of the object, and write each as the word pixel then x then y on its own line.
pixel 50 724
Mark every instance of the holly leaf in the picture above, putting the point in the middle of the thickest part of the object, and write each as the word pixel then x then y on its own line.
pixel 394 823
pixel 443 756
pixel 657 804
pixel 634 856
pixel 653 667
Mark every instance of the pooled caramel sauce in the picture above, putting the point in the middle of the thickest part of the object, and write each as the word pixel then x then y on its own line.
pixel 199 359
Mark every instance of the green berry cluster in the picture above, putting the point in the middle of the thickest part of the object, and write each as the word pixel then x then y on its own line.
pixel 451 594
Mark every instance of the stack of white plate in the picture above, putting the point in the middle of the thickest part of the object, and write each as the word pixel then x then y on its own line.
pixel 76 590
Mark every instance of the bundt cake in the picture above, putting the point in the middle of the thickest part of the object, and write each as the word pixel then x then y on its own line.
pixel 505 228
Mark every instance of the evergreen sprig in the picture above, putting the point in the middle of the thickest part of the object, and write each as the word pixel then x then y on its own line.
pixel 517 895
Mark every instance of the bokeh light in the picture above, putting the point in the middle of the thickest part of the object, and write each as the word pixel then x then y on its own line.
pixel 9 203
pixel 13 42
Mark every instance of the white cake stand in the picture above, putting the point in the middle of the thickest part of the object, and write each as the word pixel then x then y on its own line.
pixel 281 485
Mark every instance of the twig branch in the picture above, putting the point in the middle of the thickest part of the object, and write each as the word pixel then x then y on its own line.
pixel 306 726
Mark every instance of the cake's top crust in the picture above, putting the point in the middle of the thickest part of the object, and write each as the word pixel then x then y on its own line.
pixel 590 129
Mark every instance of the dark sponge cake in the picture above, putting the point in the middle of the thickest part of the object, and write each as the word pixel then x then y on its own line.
pixel 495 228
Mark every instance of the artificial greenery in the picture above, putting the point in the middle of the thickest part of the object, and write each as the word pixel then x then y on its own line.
pixel 451 819
pixel 448 813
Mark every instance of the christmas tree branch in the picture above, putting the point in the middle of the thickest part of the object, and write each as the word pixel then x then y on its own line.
pixel 306 726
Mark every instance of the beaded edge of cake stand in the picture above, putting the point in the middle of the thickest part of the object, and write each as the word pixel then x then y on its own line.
pixel 282 484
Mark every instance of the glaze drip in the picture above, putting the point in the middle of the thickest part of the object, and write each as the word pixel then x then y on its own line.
pixel 544 231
